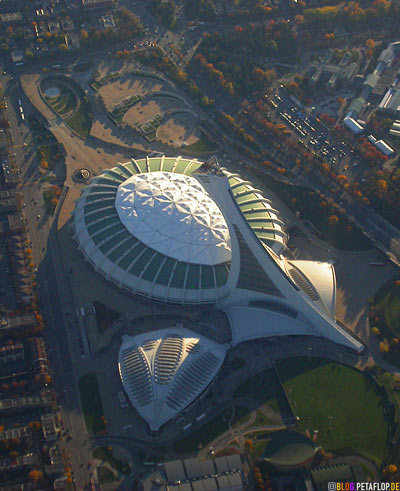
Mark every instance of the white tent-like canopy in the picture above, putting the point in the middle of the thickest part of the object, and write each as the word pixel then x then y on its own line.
pixel 163 371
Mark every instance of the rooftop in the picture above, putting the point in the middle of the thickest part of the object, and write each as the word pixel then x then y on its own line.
pixel 173 214
pixel 163 371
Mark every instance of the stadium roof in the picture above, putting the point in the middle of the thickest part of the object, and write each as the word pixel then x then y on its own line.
pixel 108 239
pixel 173 214
pixel 164 371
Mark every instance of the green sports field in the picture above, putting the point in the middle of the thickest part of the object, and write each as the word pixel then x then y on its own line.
pixel 340 403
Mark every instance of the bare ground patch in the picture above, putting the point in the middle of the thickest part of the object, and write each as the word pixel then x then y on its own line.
pixel 180 128
pixel 115 92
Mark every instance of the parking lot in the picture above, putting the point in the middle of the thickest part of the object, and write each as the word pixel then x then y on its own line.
pixel 311 133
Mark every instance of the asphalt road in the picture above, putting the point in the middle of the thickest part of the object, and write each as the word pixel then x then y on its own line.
pixel 55 295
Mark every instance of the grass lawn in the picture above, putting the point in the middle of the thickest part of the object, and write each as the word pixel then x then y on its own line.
pixel 49 201
pixel 91 403
pixel 328 395
pixel 203 144
pixel 392 386
pixel 104 454
pixel 385 315
pixel 258 449
pixel 63 103
pixel 105 475
pixel 262 420
pixel 343 235
pixel 388 300
pixel 81 120
pixel 71 92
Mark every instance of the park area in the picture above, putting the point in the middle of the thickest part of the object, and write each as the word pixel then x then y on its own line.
pixel 60 97
pixel 333 227
pixel 91 404
pixel 69 100
pixel 384 318
pixel 148 103
pixel 341 403
pixel 105 455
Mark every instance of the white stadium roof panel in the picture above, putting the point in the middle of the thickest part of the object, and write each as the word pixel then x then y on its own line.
pixel 163 371
pixel 173 214
pixel 153 265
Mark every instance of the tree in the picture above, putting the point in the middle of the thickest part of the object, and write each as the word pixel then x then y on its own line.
pixel 384 346
pixel 381 187
pixel 35 475
pixel 293 87
pixel 9 31
pixel 370 44
pixel 333 220
pixel 376 331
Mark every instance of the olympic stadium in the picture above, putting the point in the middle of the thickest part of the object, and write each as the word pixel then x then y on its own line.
pixel 189 233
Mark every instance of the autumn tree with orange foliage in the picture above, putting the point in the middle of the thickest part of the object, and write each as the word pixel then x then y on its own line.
pixel 333 220
pixel 35 475
pixel 370 44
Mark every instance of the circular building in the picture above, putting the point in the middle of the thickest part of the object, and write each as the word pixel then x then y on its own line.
pixel 288 450
pixel 153 228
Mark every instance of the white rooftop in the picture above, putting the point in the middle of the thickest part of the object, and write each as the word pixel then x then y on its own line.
pixel 163 371
pixel 173 214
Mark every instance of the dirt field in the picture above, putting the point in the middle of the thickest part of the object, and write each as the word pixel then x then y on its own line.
pixel 117 91
pixel 179 129
pixel 146 109
pixel 106 131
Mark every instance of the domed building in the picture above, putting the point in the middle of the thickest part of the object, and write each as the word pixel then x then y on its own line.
pixel 184 232
pixel 152 227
